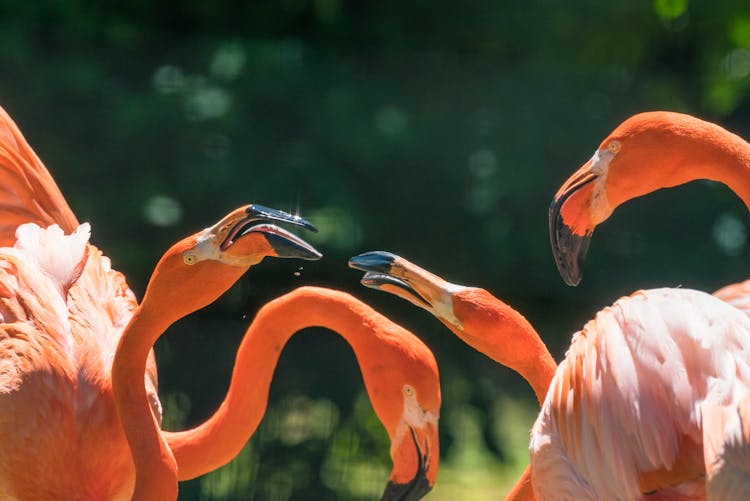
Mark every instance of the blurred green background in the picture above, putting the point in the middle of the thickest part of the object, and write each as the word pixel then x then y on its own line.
pixel 434 130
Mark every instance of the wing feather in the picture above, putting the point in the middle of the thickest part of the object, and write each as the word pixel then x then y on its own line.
pixel 624 409
pixel 28 193
pixel 726 432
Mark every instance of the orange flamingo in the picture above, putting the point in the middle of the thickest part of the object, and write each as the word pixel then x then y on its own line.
pixel 621 416
pixel 646 152
pixel 399 372
pixel 192 274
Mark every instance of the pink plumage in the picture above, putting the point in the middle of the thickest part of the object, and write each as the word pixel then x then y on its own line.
pixel 622 416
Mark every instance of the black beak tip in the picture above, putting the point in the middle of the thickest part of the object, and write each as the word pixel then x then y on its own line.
pixel 569 251
pixel 569 248
pixel 571 277
pixel 377 261
pixel 287 248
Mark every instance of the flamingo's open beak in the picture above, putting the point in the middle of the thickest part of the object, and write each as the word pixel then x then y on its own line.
pixel 391 273
pixel 259 219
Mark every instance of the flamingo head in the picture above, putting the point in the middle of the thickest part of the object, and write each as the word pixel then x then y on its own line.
pixel 473 314
pixel 391 273
pixel 415 449
pixel 646 152
pixel 197 270
pixel 404 388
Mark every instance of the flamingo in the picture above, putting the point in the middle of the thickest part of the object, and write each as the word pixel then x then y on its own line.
pixel 193 273
pixel 621 418
pixel 648 151
pixel 399 372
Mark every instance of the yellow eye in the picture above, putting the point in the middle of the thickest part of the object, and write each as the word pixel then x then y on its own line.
pixel 614 146
pixel 189 259
pixel 408 390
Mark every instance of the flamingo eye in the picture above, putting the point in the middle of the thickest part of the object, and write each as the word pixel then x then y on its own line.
pixel 189 259
pixel 408 390
pixel 614 146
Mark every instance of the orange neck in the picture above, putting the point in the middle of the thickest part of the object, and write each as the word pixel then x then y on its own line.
pixel 686 149
pixel 537 365
pixel 219 439
pixel 500 332
pixel 724 157
pixel 156 471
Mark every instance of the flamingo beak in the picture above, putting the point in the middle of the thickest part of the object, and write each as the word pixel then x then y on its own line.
pixel 391 273
pixel 260 219
pixel 424 443
pixel 570 239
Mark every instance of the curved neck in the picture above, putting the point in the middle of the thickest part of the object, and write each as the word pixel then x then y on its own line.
pixel 219 439
pixel 503 334
pixel 500 332
pixel 678 149
pixel 156 472
pixel 724 157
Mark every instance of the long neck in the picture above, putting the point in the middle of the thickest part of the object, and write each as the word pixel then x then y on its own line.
pixel 535 362
pixel 500 332
pixel 725 157
pixel 678 149
pixel 219 439
pixel 156 472
pixel 504 335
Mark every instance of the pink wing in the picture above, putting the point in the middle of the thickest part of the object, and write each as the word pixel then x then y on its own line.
pixel 27 191
pixel 623 413
pixel 726 448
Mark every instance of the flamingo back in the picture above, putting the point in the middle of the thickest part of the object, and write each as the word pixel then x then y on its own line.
pixel 62 310
pixel 622 417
